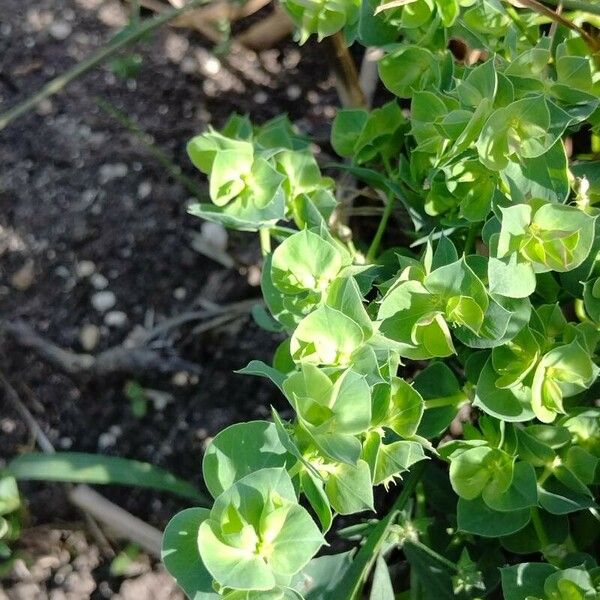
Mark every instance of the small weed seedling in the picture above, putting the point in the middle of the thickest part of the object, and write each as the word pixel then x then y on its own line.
pixel 489 308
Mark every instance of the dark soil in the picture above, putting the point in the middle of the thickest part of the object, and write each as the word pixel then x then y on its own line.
pixel 76 185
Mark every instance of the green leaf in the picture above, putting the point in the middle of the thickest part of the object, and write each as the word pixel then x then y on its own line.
pixel 381 588
pixel 526 580
pixel 239 450
pixel 506 404
pixel 349 488
pixel 434 578
pixel 522 128
pixel 558 499
pixel 10 500
pixel 511 278
pixel 181 557
pixel 522 492
pixel 344 295
pixel 479 85
pixel 319 579
pixel 257 534
pixel 437 384
pixel 346 129
pixel 408 70
pixel 304 261
pixel 396 458
pixel 203 149
pixel 405 409
pixel 474 516
pixel 229 169
pixel 544 176
pixel 481 470
pixel 327 337
pixel 261 369
pixel 80 467
pixel 315 493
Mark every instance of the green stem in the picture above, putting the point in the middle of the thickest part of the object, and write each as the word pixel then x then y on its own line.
pixel 352 583
pixel 516 19
pixel 433 554
pixel 385 217
pixel 58 83
pixel 539 528
pixel 582 5
pixel 545 474
pixel 470 241
pixel 265 241
pixel 579 308
pixel 454 400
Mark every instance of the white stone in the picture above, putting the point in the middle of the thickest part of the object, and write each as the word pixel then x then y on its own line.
pixel 293 92
pixel 98 281
pixel 214 234
pixel 85 268
pixel 89 337
pixel 60 30
pixel 108 172
pixel 106 440
pixel 115 318
pixel 144 189
pixel 103 301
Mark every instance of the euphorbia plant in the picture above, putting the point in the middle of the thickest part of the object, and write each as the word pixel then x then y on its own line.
pixel 444 378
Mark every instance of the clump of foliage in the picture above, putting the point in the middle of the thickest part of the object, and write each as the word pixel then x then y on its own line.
pixel 489 306
pixel 10 515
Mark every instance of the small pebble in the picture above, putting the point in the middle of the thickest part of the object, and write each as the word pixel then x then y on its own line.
pixel 116 430
pixel 65 443
pixel 181 379
pixel 144 189
pixel 103 301
pixel 89 337
pixel 7 425
pixel 106 440
pixel 85 268
pixel 108 172
pixel 188 65
pixel 115 318
pixel 60 30
pixel 212 65
pixel 24 277
pixel 62 272
pixel 179 293
pixel 214 234
pixel 98 281
pixel 260 97
pixel 293 92
pixel 44 108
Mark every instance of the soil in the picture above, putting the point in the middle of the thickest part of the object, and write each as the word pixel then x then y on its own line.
pixel 85 207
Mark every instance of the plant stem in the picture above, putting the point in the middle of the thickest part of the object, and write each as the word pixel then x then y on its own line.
pixel 540 8
pixel 433 554
pixel 344 69
pixel 516 19
pixel 539 528
pixel 454 400
pixel 351 585
pixel 470 241
pixel 58 83
pixel 265 241
pixel 385 217
pixel 582 5
pixel 579 308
